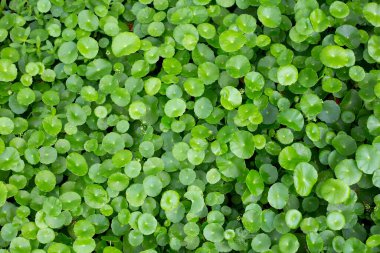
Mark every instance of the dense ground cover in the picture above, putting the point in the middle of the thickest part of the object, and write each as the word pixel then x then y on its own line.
pixel 189 126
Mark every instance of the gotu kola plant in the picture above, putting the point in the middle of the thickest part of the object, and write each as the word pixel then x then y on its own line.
pixel 189 126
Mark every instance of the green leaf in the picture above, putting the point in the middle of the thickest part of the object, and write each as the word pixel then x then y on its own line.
pixel 330 112
pixel 287 75
pixel 288 243
pixel 371 12
pixel 125 43
pixel 367 158
pixel 347 171
pixel 334 191
pixel 231 41
pixel 270 16
pixel 10 160
pixel 230 166
pixel 97 69
pixel 77 164
pixel 334 57
pixel 67 52
pixel 230 97
pixel 254 183
pixel 242 144
pixel 314 242
pixel 291 118
pixel 278 195
pixel 8 71
pixel 3 193
pixel 344 144
pixel 373 47
pixel 305 176
pixel 311 105
pixel 291 156
pixel 252 218
pixel 373 241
